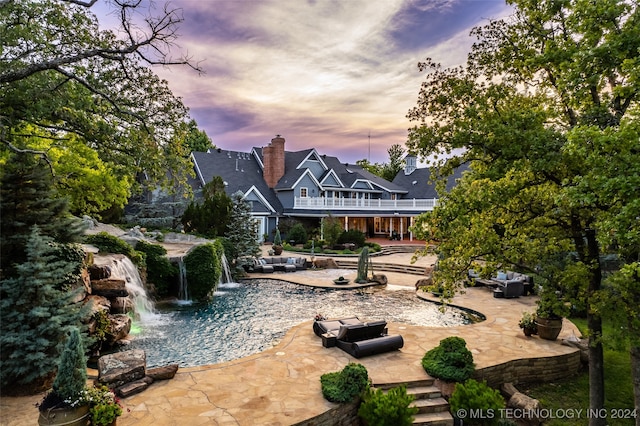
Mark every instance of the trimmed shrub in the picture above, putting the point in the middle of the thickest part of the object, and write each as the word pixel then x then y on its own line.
pixel 108 243
pixel 160 271
pixel 450 361
pixel 389 408
pixel 298 234
pixel 204 268
pixel 352 236
pixel 344 386
pixel 476 397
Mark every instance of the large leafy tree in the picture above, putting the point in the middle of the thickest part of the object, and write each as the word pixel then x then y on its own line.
pixel 543 111
pixel 61 75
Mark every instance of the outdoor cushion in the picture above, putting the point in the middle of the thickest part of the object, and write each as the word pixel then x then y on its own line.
pixel 372 346
pixel 501 276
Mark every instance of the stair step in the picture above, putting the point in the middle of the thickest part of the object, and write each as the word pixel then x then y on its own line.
pixel 431 405
pixel 427 382
pixel 433 419
pixel 424 392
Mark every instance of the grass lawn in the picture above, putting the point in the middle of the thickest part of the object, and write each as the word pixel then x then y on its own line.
pixel 573 393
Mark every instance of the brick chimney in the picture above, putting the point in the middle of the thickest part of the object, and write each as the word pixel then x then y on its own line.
pixel 273 156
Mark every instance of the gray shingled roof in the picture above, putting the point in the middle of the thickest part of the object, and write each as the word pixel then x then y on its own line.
pixel 239 170
pixel 419 184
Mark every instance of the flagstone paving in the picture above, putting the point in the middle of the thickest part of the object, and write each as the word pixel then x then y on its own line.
pixel 281 386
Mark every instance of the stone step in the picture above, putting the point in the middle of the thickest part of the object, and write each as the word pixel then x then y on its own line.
pixel 424 392
pixel 431 405
pixel 426 382
pixel 433 419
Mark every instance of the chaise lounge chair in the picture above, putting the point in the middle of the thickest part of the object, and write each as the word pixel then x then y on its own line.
pixel 357 338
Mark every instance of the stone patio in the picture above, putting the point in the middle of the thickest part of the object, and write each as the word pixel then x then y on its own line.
pixel 281 386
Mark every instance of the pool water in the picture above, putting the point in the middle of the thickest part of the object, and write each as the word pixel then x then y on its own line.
pixel 247 318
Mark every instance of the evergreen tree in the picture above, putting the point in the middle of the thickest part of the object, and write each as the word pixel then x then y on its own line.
pixel 27 198
pixel 211 216
pixel 242 233
pixel 36 316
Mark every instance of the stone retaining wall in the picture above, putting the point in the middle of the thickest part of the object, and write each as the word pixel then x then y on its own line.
pixel 544 370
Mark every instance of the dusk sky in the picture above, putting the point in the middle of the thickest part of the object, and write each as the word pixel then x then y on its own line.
pixel 324 74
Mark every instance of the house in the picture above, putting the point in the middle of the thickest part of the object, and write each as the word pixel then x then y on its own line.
pixel 308 186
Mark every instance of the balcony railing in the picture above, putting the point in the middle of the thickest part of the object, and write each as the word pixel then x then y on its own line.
pixel 323 203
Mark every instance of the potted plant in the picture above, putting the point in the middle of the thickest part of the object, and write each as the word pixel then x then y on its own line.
pixel 528 324
pixel 549 315
pixel 66 404
pixel 105 407
pixel 341 280
pixel 277 243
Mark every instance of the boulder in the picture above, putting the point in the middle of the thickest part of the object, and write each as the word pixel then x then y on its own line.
pixel 424 282
pixel 119 328
pixel 121 305
pixel 379 278
pixel 120 368
pixel 327 263
pixel 109 287
pixel 163 373
pixel 99 272
pixel 581 344
pixel 133 387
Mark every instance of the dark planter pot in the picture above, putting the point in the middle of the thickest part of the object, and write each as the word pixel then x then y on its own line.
pixel 277 250
pixel 78 416
pixel 549 328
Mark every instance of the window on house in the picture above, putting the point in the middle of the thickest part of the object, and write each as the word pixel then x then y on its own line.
pixel 303 193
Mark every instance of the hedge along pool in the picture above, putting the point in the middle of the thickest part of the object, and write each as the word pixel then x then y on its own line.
pixel 250 317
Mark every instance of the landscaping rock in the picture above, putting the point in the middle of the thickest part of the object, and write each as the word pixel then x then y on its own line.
pixel 119 328
pixel 379 278
pixel 121 305
pixel 99 272
pixel 327 263
pixel 163 373
pixel 581 344
pixel 115 370
pixel 109 287
pixel 133 387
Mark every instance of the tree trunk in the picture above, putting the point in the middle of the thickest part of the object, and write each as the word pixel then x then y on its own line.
pixel 594 323
pixel 635 375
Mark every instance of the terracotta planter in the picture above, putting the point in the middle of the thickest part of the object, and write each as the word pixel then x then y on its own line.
pixel 78 416
pixel 549 328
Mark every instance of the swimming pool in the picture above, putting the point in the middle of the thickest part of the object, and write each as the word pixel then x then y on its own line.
pixel 249 317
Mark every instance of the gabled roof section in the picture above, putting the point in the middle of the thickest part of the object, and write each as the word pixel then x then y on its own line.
pixel 312 156
pixel 331 179
pixel 240 171
pixel 252 193
pixel 420 184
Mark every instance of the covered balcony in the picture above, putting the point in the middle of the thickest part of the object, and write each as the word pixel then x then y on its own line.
pixel 335 203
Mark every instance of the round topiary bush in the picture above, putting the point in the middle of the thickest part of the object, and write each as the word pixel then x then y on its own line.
pixel 204 268
pixel 450 361
pixel 343 386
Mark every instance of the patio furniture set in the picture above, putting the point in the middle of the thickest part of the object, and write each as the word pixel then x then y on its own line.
pixel 277 263
pixel 357 338
pixel 507 284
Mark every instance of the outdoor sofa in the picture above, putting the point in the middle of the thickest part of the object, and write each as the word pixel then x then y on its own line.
pixel 507 284
pixel 279 263
pixel 357 338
